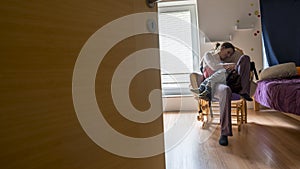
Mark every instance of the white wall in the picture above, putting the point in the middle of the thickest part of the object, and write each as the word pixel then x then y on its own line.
pixel 217 20
pixel 185 103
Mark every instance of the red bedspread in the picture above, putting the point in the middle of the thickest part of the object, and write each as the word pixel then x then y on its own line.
pixel 279 94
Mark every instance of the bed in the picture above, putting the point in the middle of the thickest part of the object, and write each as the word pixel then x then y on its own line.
pixel 280 94
pixel 279 88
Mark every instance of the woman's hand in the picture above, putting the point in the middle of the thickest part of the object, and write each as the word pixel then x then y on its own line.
pixel 229 67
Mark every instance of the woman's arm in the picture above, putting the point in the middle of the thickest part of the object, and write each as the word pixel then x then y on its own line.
pixel 213 61
pixel 229 67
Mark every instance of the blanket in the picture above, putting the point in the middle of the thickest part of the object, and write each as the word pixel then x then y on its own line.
pixel 280 94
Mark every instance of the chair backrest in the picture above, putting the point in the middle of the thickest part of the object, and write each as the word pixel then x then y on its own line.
pixel 253 70
pixel 196 79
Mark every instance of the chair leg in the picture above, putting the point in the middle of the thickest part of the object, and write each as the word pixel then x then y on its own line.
pixel 204 109
pixel 244 111
pixel 210 110
pixel 200 111
pixel 238 116
pixel 238 109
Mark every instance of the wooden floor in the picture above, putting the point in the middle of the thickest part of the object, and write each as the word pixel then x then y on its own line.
pixel 270 139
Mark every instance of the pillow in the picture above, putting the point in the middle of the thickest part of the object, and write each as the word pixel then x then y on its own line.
pixel 298 70
pixel 279 71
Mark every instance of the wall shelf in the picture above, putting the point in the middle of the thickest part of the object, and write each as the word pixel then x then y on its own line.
pixel 244 27
pixel 225 39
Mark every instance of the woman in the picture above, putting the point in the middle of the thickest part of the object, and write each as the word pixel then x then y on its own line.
pixel 216 67
pixel 214 71
pixel 215 74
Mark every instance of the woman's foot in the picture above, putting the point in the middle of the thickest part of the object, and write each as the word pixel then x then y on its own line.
pixel 223 141
pixel 206 94
pixel 199 90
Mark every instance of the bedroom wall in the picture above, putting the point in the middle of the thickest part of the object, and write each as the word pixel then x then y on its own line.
pixel 40 43
pixel 217 20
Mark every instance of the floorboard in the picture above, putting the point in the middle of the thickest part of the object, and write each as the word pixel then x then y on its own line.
pixel 270 140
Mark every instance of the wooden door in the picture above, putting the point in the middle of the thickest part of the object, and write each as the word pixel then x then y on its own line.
pixel 40 44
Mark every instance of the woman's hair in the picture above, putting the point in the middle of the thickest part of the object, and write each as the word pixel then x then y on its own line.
pixel 217 45
pixel 226 45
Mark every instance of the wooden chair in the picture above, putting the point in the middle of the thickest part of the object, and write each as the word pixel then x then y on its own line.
pixel 207 109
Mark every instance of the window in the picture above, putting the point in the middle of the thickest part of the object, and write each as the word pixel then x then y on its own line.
pixel 265 60
pixel 179 47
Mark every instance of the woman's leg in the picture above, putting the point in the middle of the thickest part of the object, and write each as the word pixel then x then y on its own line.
pixel 243 68
pixel 206 88
pixel 223 94
pixel 219 77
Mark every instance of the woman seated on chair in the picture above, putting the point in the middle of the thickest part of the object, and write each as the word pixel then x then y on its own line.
pixel 217 65
pixel 215 83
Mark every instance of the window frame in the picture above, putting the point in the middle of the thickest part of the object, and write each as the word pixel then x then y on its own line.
pixel 169 7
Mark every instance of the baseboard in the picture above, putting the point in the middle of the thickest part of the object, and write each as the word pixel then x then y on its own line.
pixel 182 103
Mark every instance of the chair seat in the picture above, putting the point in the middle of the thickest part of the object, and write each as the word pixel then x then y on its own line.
pixel 235 96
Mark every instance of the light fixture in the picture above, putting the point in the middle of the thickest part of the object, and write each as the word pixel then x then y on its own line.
pixel 151 3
